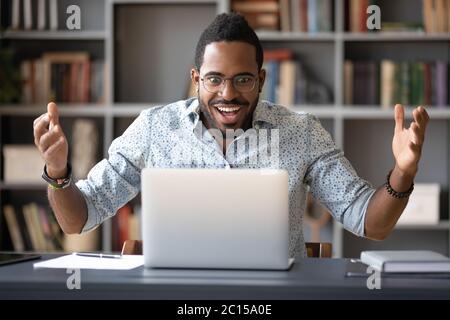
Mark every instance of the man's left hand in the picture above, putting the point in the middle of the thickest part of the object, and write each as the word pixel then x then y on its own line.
pixel 407 143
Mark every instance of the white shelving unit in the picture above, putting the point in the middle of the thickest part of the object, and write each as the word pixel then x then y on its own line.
pixel 159 51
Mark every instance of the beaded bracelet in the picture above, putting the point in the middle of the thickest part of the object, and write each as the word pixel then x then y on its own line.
pixel 395 194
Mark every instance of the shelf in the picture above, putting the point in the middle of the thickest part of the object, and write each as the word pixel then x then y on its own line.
pixel 23 186
pixel 280 36
pixel 133 109
pixel 324 111
pixel 323 53
pixel 376 112
pixel 395 36
pixel 295 36
pixel 367 112
pixel 54 35
pixel 442 225
pixel 180 2
pixel 73 110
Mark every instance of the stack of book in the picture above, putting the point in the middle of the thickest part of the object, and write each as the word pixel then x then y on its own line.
pixel 34 15
pixel 288 83
pixel 357 14
pixel 388 82
pixel 287 15
pixel 260 14
pixel 33 228
pixel 69 77
pixel 436 16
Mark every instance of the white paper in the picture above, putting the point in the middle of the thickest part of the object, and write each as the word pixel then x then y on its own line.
pixel 74 261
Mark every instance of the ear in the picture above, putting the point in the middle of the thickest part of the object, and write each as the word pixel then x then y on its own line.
pixel 262 79
pixel 195 77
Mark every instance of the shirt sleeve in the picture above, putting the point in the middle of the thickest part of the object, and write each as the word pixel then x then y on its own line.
pixel 334 182
pixel 113 182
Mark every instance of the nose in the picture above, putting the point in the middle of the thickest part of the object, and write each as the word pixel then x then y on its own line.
pixel 228 91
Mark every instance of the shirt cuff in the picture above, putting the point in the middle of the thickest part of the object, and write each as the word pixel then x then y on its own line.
pixel 354 220
pixel 92 221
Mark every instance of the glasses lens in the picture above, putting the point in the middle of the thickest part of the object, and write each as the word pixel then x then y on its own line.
pixel 213 83
pixel 244 83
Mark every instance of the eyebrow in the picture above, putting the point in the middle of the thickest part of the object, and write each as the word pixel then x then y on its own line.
pixel 215 73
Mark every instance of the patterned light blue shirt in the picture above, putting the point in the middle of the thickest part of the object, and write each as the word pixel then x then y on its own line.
pixel 163 136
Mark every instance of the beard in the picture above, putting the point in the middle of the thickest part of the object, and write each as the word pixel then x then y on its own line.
pixel 211 122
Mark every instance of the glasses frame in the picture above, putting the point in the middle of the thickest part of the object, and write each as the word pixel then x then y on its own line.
pixel 224 80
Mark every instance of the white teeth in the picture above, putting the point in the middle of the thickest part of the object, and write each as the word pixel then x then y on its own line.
pixel 226 109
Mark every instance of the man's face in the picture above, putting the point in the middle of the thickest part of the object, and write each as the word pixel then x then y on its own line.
pixel 228 108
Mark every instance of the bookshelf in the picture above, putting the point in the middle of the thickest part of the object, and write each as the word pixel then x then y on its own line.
pixel 138 40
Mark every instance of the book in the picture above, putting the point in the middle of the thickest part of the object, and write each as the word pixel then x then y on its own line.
pixel 287 83
pixel 41 19
pixel 441 83
pixel 285 18
pixel 15 19
pixel 27 15
pixel 53 6
pixel 441 17
pixel 348 82
pixel 57 75
pixel 388 86
pixel 255 6
pixel 406 261
pixel 14 228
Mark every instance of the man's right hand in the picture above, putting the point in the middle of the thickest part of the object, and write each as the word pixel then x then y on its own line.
pixel 51 142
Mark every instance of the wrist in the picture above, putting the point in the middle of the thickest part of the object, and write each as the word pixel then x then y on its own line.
pixel 57 173
pixel 401 180
pixel 63 180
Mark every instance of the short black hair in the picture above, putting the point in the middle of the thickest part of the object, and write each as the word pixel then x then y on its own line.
pixel 228 27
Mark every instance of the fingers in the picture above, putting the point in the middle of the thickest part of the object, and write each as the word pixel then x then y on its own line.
pixel 53 113
pixel 417 136
pixel 40 127
pixel 48 139
pixel 399 117
pixel 421 117
pixel 54 149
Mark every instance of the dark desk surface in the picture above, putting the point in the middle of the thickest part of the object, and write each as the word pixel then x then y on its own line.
pixel 308 279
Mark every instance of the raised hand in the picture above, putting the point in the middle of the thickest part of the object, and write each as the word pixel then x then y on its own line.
pixel 51 141
pixel 407 142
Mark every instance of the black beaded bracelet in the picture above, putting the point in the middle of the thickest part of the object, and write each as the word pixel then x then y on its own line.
pixel 395 194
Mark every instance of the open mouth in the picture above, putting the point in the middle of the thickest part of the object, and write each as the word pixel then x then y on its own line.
pixel 228 113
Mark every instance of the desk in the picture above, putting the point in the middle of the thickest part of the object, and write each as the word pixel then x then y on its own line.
pixel 308 279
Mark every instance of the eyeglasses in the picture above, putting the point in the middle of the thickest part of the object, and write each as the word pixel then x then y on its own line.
pixel 242 83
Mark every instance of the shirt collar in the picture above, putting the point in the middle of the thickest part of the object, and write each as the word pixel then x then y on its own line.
pixel 263 113
pixel 192 111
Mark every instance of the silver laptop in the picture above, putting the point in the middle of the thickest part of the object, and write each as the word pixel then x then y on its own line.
pixel 215 218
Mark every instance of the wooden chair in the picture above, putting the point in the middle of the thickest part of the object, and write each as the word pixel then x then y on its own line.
pixel 313 249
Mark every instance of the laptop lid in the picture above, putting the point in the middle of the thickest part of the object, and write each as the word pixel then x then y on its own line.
pixel 215 218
